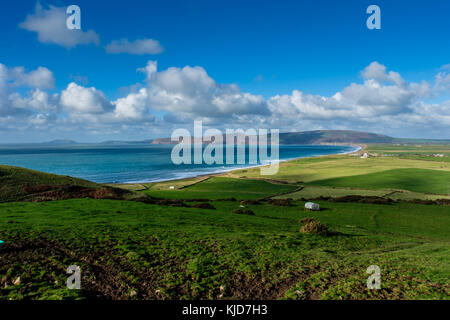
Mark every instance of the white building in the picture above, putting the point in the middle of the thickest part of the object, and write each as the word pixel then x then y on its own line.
pixel 312 206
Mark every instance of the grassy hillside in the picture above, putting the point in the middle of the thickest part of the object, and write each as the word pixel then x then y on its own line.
pixel 23 184
pixel 129 250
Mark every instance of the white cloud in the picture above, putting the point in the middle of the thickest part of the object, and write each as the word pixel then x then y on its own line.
pixel 191 92
pixel 83 100
pixel 11 102
pixel 138 47
pixel 383 102
pixel 442 82
pixel 132 107
pixel 44 102
pixel 50 25
pixel 377 72
pixel 41 78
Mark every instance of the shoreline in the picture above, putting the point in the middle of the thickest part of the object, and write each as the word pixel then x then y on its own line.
pixel 359 148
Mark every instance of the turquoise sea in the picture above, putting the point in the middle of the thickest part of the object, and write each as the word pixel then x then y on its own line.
pixel 130 163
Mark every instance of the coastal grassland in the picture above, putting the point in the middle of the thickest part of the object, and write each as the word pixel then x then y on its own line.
pixel 313 169
pixel 135 250
pixel 316 191
pixel 221 188
pixel 312 192
pixel 13 180
pixel 131 250
pixel 418 180
pixel 423 152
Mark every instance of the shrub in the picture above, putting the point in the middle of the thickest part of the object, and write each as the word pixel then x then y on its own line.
pixel 307 220
pixel 362 199
pixel 249 202
pixel 244 211
pixel 204 205
pixel 280 202
pixel 315 227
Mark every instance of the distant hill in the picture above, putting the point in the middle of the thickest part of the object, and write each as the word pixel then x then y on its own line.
pixel 320 137
pixel 60 142
pixel 304 137
pixel 114 142
pixel 333 136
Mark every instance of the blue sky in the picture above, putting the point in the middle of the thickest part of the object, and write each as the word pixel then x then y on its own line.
pixel 265 48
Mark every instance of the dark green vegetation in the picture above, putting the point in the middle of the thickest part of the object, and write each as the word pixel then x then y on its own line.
pixel 213 248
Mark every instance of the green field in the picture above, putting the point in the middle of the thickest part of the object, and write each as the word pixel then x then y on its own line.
pixel 158 252
pixel 418 180
pixel 222 188
pixel 129 249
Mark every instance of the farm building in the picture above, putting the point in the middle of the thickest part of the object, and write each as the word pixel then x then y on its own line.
pixel 312 206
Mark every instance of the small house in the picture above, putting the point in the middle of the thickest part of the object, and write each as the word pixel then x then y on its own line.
pixel 311 206
pixel 365 155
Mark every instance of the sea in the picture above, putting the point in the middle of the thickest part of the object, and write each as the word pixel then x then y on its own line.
pixel 135 163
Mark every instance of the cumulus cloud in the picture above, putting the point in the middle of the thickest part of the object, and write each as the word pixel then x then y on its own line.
pixel 11 102
pixel 138 47
pixel 78 99
pixel 50 26
pixel 191 92
pixel 382 102
pixel 40 78
pixel 132 107
pixel 377 72
pixel 442 82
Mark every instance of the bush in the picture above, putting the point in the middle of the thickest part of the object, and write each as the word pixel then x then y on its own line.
pixel 250 202
pixel 315 227
pixel 227 199
pixel 244 211
pixel 307 220
pixel 280 202
pixel 204 205
pixel 362 199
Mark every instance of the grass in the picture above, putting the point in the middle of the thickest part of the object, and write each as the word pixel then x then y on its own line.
pixel 311 192
pixel 418 180
pixel 313 169
pixel 222 188
pixel 13 180
pixel 190 252
pixel 415 152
